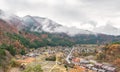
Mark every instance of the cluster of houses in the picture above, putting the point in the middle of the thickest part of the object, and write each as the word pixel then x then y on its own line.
pixel 32 54
pixel 85 63
pixel 93 65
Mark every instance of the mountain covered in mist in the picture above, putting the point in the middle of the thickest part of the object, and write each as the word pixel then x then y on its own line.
pixel 107 29
pixel 39 24
pixel 39 31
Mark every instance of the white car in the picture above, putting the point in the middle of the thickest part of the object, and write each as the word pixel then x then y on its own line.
pixel 89 66
pixel 94 69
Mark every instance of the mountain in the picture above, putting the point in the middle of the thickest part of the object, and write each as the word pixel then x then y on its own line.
pixel 34 29
pixel 38 24
pixel 107 29
pixel 12 19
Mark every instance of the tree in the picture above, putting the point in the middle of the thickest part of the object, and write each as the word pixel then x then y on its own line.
pixel 22 52
pixel 12 50
pixel 101 56
pixel 117 63
pixel 2 55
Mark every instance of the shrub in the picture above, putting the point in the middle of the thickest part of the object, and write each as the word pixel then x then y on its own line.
pixel 51 58
pixel 36 68
pixel 14 63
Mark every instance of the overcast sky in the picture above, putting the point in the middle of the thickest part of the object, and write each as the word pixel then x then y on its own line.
pixel 84 14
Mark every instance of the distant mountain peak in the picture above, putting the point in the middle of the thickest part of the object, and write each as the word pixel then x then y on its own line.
pixel 35 23
pixel 107 29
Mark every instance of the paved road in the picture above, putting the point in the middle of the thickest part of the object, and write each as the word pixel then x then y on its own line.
pixel 67 59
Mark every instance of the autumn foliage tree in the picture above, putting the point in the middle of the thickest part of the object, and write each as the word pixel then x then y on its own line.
pixel 117 63
pixel 111 54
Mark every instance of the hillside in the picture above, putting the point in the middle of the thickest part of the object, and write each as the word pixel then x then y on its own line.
pixel 111 54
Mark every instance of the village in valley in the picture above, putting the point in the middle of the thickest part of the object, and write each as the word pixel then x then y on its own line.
pixel 59 35
pixel 79 58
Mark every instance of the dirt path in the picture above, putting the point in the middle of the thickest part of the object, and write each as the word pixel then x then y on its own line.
pixel 14 70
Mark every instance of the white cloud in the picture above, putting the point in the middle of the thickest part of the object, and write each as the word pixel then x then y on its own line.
pixel 3 5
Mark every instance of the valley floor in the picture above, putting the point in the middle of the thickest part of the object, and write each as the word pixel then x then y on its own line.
pixel 78 62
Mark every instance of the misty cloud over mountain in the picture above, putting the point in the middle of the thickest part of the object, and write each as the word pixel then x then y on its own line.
pixel 39 24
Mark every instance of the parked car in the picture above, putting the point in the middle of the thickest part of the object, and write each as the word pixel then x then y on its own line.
pixel 89 66
pixel 94 69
